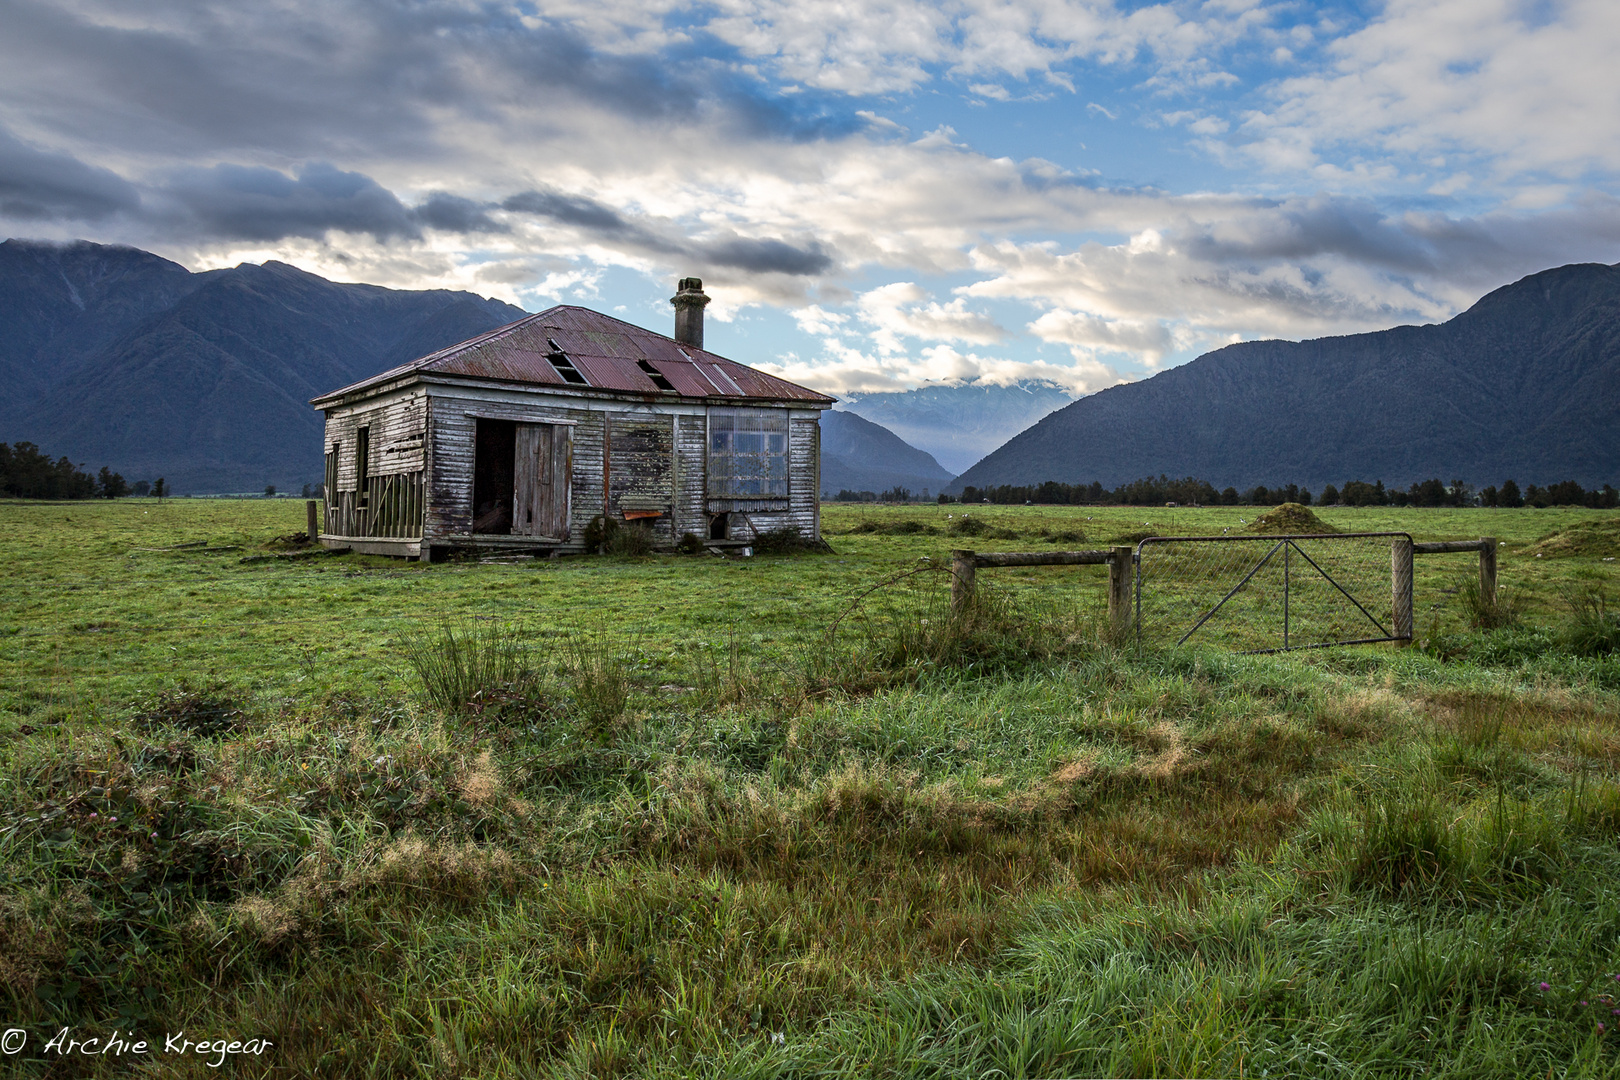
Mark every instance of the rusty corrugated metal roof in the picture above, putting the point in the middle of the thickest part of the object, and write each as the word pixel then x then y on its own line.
pixel 607 352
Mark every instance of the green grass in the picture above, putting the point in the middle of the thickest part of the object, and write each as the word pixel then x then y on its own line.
pixel 684 815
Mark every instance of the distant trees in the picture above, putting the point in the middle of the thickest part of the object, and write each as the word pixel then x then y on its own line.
pixel 159 488
pixel 1264 496
pixel 111 485
pixel 1148 491
pixel 1194 492
pixel 27 473
pixel 1569 493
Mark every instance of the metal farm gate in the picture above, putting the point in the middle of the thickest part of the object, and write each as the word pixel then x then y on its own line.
pixel 1274 593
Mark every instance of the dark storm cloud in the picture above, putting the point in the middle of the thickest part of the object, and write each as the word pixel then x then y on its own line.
pixel 312 81
pixel 1291 231
pixel 567 209
pixel 452 213
pixel 767 256
pixel 243 202
pixel 612 228
pixel 37 185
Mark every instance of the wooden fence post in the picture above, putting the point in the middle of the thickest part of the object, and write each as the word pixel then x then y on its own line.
pixel 1120 577
pixel 1487 571
pixel 963 571
pixel 1400 585
pixel 313 527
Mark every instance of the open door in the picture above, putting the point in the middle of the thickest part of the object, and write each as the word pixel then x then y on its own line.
pixel 492 477
pixel 542 468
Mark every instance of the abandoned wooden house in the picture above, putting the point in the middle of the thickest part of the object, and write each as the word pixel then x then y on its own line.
pixel 516 439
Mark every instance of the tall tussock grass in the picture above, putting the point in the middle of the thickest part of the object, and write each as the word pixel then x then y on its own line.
pixel 904 628
pixel 465 668
pixel 1594 627
pixel 1484 613
pixel 599 670
pixel 1493 848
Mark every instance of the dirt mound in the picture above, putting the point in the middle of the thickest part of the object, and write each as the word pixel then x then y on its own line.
pixel 972 526
pixel 904 527
pixel 1595 539
pixel 1290 518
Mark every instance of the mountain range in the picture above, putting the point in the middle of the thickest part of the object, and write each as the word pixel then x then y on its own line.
pixel 116 356
pixel 1524 384
pixel 859 455
pixel 959 423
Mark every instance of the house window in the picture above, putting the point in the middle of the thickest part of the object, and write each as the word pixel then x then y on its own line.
pixel 362 465
pixel 748 454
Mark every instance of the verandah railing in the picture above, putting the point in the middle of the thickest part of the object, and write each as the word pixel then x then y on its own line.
pixel 390 507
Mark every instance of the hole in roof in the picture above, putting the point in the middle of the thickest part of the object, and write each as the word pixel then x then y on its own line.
pixel 655 375
pixel 564 366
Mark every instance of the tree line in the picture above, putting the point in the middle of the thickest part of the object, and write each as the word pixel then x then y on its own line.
pixel 895 494
pixel 1190 491
pixel 26 472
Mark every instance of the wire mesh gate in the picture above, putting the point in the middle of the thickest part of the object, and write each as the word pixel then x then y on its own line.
pixel 1274 593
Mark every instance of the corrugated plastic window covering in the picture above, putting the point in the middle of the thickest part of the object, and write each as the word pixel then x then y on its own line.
pixel 748 454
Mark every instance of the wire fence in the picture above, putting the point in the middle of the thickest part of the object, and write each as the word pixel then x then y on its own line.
pixel 1273 593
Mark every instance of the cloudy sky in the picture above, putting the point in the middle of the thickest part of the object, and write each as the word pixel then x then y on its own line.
pixel 877 194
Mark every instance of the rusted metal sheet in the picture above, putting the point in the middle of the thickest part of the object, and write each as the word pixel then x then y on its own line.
pixel 501 360
pixel 607 351
pixel 610 373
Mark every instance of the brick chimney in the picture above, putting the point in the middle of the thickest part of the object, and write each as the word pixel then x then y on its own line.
pixel 689 301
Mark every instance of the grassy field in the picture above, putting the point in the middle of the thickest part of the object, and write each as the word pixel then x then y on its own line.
pixel 783 816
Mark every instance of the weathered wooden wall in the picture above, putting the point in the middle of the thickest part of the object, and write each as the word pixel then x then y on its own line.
pixel 398 424
pixel 691 442
pixel 641 469
pixel 397 429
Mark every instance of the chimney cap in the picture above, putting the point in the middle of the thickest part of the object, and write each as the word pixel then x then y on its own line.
pixel 690 286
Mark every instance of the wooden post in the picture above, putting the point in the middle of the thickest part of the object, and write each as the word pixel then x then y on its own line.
pixel 1400 585
pixel 1120 577
pixel 963 571
pixel 313 527
pixel 1487 571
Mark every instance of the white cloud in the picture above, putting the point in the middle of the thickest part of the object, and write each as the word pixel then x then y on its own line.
pixel 844 370
pixel 1468 77
pixel 815 320
pixel 903 310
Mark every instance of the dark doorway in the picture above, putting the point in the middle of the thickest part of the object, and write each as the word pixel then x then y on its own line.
pixel 717 526
pixel 494 451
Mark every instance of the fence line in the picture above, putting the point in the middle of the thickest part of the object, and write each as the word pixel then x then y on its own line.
pixel 1124 576
pixel 965 565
